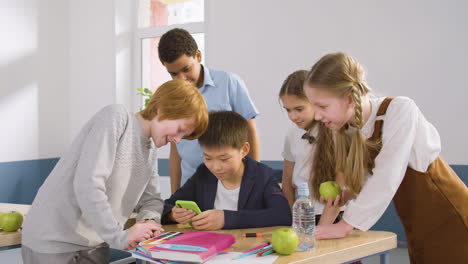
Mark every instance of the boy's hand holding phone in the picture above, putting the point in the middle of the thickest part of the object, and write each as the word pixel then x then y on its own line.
pixel 183 211
pixel 209 220
pixel 181 215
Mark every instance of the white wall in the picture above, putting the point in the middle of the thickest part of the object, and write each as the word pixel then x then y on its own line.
pixel 101 62
pixel 412 48
pixel 61 61
pixel 33 78
pixel 92 59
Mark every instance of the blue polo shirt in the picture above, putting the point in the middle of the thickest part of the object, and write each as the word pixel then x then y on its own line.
pixel 222 91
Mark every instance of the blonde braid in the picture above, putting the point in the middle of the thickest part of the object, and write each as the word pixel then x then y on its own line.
pixel 357 150
pixel 356 93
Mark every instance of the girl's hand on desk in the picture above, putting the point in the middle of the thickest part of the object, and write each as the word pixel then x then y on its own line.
pixel 181 215
pixel 339 230
pixel 209 220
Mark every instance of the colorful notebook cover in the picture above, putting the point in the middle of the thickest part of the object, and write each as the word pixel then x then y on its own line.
pixel 192 246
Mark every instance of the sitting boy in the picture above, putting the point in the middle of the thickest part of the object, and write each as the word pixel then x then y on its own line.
pixel 231 189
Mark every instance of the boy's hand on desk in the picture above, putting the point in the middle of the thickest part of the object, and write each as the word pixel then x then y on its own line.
pixel 209 220
pixel 141 231
pixel 156 232
pixel 181 215
pixel 339 230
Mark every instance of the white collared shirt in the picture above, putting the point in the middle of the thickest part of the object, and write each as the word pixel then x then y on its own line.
pixel 301 152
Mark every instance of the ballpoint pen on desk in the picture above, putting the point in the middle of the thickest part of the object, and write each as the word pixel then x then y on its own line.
pixel 169 236
pixel 255 251
pixel 258 247
pixel 161 237
pixel 266 252
pixel 263 251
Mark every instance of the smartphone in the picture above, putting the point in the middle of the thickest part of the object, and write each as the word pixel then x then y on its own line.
pixel 191 205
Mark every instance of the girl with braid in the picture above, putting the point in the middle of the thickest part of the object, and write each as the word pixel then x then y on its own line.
pixel 386 149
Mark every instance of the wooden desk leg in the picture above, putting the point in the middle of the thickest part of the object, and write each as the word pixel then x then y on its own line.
pixel 384 258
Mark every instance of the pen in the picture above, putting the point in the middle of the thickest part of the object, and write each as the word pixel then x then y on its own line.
pixel 157 238
pixel 171 235
pixel 268 252
pixel 261 246
pixel 252 235
pixel 253 252
pixel 165 234
pixel 263 251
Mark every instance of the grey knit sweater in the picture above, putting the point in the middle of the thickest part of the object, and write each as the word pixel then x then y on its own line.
pixel 109 170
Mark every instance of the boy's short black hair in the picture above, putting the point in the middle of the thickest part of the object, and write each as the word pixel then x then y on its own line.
pixel 175 43
pixel 225 128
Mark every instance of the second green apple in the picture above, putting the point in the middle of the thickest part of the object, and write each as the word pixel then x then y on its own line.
pixel 329 189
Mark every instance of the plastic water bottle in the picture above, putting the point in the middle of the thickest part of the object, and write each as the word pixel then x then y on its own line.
pixel 304 218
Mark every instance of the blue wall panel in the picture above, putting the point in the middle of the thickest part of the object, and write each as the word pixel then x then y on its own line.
pixel 20 180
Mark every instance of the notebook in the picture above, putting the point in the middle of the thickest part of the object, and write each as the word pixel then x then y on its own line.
pixel 194 246
pixel 147 244
pixel 142 251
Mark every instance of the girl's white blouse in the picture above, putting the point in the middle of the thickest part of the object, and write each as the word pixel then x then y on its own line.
pixel 408 140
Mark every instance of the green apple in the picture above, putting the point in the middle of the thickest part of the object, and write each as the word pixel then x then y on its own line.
pixel 1 214
pixel 284 241
pixel 329 189
pixel 11 221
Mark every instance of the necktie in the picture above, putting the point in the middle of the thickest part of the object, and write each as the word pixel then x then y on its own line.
pixel 308 137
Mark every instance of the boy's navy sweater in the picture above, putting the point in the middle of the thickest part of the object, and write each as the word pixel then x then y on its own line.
pixel 261 201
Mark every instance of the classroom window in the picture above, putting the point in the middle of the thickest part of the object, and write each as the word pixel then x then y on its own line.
pixel 170 12
pixel 155 17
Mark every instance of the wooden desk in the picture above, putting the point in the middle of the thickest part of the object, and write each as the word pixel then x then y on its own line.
pixel 12 238
pixel 355 246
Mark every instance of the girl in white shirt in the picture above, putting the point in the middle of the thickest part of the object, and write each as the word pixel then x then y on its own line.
pixel 386 150
pixel 300 148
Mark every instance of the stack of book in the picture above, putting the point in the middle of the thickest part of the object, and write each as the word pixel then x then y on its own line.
pixel 176 247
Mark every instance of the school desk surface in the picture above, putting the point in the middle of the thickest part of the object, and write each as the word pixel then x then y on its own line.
pixel 355 246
